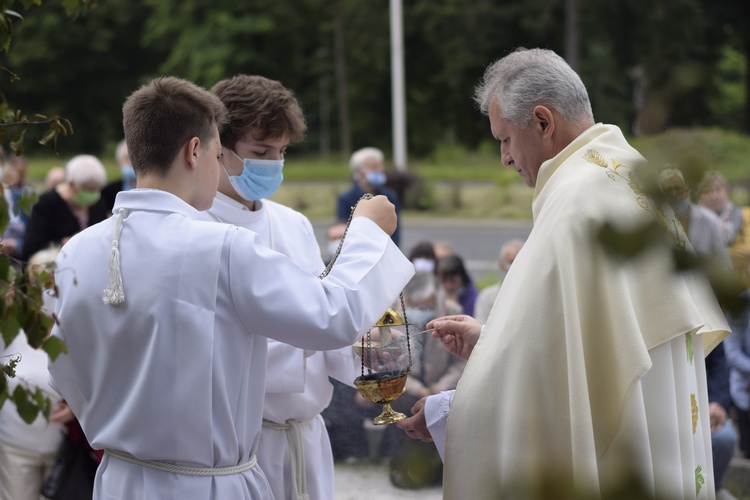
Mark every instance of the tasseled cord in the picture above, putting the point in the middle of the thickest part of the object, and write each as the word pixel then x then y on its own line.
pixel 114 294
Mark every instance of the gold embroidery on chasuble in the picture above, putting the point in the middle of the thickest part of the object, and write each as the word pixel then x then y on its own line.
pixel 671 225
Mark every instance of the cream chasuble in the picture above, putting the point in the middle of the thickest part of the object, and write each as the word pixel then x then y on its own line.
pixel 558 389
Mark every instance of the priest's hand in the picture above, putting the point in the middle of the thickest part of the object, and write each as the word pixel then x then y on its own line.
pixel 459 333
pixel 416 425
pixel 379 210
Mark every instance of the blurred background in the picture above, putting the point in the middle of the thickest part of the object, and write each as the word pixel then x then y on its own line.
pixel 674 70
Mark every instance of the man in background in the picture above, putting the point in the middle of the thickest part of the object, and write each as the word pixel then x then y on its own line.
pixel 368 176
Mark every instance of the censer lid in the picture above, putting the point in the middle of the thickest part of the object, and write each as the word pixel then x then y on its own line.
pixel 390 317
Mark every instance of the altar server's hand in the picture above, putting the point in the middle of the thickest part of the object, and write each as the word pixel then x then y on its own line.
pixel 459 333
pixel 416 425
pixel 380 211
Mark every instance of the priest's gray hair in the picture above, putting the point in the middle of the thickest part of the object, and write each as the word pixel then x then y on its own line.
pixel 85 169
pixel 527 78
pixel 359 156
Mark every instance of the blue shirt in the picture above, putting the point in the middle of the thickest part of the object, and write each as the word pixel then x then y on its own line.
pixel 346 200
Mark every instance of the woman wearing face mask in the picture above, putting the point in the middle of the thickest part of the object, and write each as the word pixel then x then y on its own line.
pixel 68 208
pixel 368 175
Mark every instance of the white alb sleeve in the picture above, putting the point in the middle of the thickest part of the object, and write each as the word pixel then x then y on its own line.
pixel 436 411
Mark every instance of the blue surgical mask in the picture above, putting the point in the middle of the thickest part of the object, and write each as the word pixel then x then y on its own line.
pixel 375 179
pixel 259 178
pixel 127 172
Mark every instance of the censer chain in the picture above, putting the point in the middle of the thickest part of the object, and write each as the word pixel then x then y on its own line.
pixel 327 270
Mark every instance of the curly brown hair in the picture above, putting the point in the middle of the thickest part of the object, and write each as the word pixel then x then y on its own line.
pixel 261 106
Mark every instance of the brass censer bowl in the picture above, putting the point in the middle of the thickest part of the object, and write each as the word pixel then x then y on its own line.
pixel 384 383
pixel 382 388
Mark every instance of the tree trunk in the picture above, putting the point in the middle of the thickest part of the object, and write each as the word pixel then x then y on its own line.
pixel 572 36
pixel 345 140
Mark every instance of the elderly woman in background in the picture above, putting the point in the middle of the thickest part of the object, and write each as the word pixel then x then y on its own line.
pixel 713 192
pixel 68 208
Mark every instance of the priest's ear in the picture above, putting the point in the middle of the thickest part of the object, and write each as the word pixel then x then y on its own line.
pixel 544 120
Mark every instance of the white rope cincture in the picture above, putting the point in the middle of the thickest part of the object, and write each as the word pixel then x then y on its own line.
pixel 114 294
pixel 297 454
pixel 185 469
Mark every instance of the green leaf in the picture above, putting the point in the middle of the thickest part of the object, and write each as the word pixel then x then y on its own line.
pixel 4 268
pixel 628 244
pixel 4 214
pixel 16 142
pixel 9 327
pixel 27 200
pixel 13 13
pixel 43 403
pixel 49 138
pixel 27 410
pixel 29 3
pixel 9 369
pixel 3 389
pixel 54 346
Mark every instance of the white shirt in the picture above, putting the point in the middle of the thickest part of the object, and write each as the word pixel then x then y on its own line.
pixel 297 385
pixel 177 372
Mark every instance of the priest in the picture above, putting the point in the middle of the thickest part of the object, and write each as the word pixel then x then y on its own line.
pixel 588 377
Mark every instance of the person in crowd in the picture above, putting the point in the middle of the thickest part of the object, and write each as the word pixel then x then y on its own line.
pixel 264 119
pixel 486 297
pixel 569 380
pixel 737 350
pixel 702 226
pixel 723 435
pixel 442 249
pixel 422 255
pixel 20 196
pixel 127 173
pixel 433 370
pixel 28 450
pixel 68 208
pixel 169 314
pixel 455 280
pixel 368 174
pixel 713 193
pixel 55 176
pixel 705 233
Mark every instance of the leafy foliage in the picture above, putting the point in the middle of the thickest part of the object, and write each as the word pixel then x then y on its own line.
pixel 639 63
pixel 21 288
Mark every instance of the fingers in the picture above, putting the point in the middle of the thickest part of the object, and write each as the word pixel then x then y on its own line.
pixel 379 210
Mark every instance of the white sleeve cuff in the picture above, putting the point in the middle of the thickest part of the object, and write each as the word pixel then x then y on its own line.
pixel 436 411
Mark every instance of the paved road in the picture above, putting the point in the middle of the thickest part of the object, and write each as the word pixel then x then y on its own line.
pixel 477 241
pixel 371 482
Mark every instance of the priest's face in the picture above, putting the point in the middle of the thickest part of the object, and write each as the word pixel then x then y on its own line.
pixel 521 148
